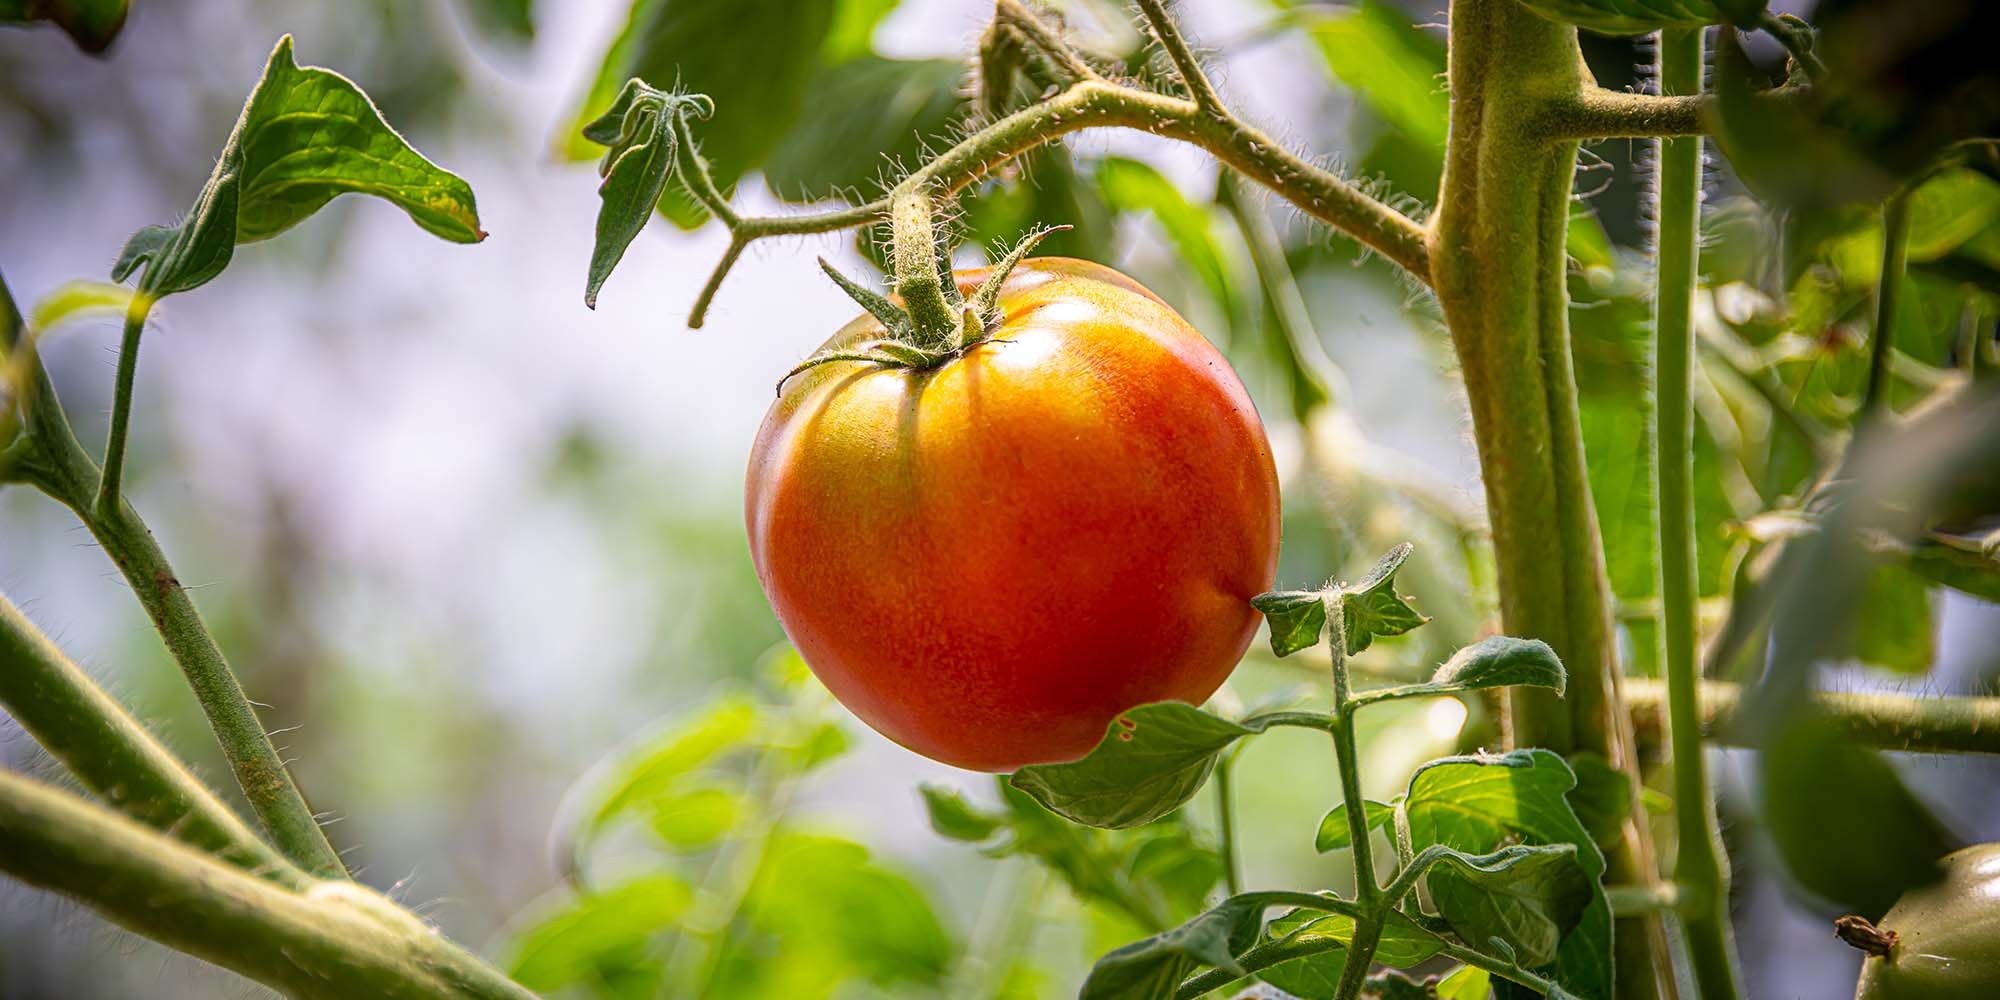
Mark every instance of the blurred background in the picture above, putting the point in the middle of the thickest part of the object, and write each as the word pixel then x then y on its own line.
pixel 479 550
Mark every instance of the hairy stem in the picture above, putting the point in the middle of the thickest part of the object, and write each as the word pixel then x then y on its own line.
pixel 1367 891
pixel 58 465
pixel 1700 866
pixel 1097 103
pixel 113 755
pixel 917 278
pixel 1927 724
pixel 336 941
pixel 1499 263
pixel 1176 46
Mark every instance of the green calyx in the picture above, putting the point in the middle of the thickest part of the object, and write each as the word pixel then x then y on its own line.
pixel 919 345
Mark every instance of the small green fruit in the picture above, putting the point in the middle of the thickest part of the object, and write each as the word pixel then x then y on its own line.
pixel 1940 942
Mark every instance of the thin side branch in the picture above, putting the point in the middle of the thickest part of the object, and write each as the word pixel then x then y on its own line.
pixel 336 941
pixel 1959 724
pixel 115 757
pixel 121 403
pixel 1597 113
pixel 1090 102
pixel 1177 49
pixel 57 465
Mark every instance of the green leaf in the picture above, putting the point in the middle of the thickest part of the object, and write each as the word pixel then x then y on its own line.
pixel 74 300
pixel 1526 896
pixel 1152 760
pixel 956 819
pixel 1316 973
pixel 306 136
pixel 1372 608
pixel 817 892
pixel 509 21
pixel 853 33
pixel 1493 662
pixel 1480 803
pixel 594 936
pixel 872 118
pixel 664 761
pixel 1468 983
pixel 757 79
pixel 1154 967
pixel 1133 186
pixel 92 24
pixel 1602 797
pixel 1632 17
pixel 640 129
pixel 1333 833
pixel 699 818
pixel 1373 48
pixel 1846 827
pixel 1297 619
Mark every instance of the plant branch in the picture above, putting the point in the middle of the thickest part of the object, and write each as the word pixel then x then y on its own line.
pixel 1700 867
pixel 1176 46
pixel 1931 724
pixel 121 404
pixel 335 941
pixel 1088 103
pixel 1232 874
pixel 1035 33
pixel 917 279
pixel 114 756
pixel 58 466
pixel 1597 113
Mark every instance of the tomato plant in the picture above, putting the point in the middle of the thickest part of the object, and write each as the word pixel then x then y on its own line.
pixel 1025 517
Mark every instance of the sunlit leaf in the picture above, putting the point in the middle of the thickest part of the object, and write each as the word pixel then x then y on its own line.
pixel 1333 832
pixel 595 936
pixel 656 768
pixel 1371 607
pixel 956 819
pixel 698 818
pixel 75 300
pixel 1468 983
pixel 1602 797
pixel 816 892
pixel 1496 661
pixel 306 136
pixel 1527 896
pixel 1133 186
pixel 1482 802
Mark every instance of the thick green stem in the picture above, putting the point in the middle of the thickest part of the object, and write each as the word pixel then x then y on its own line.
pixel 113 755
pixel 1910 723
pixel 1700 868
pixel 58 465
pixel 335 941
pixel 1895 251
pixel 121 405
pixel 1498 263
pixel 917 279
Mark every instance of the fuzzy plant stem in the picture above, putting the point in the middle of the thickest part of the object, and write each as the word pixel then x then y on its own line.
pixel 1884 720
pixel 917 278
pixel 334 941
pixel 1700 868
pixel 114 756
pixel 58 466
pixel 121 406
pixel 1499 267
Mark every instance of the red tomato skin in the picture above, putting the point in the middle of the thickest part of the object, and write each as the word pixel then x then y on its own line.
pixel 990 560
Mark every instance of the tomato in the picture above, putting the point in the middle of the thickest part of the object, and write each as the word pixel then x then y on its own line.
pixel 989 559
pixel 1945 938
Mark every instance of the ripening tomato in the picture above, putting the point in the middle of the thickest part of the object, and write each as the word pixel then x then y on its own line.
pixel 989 559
